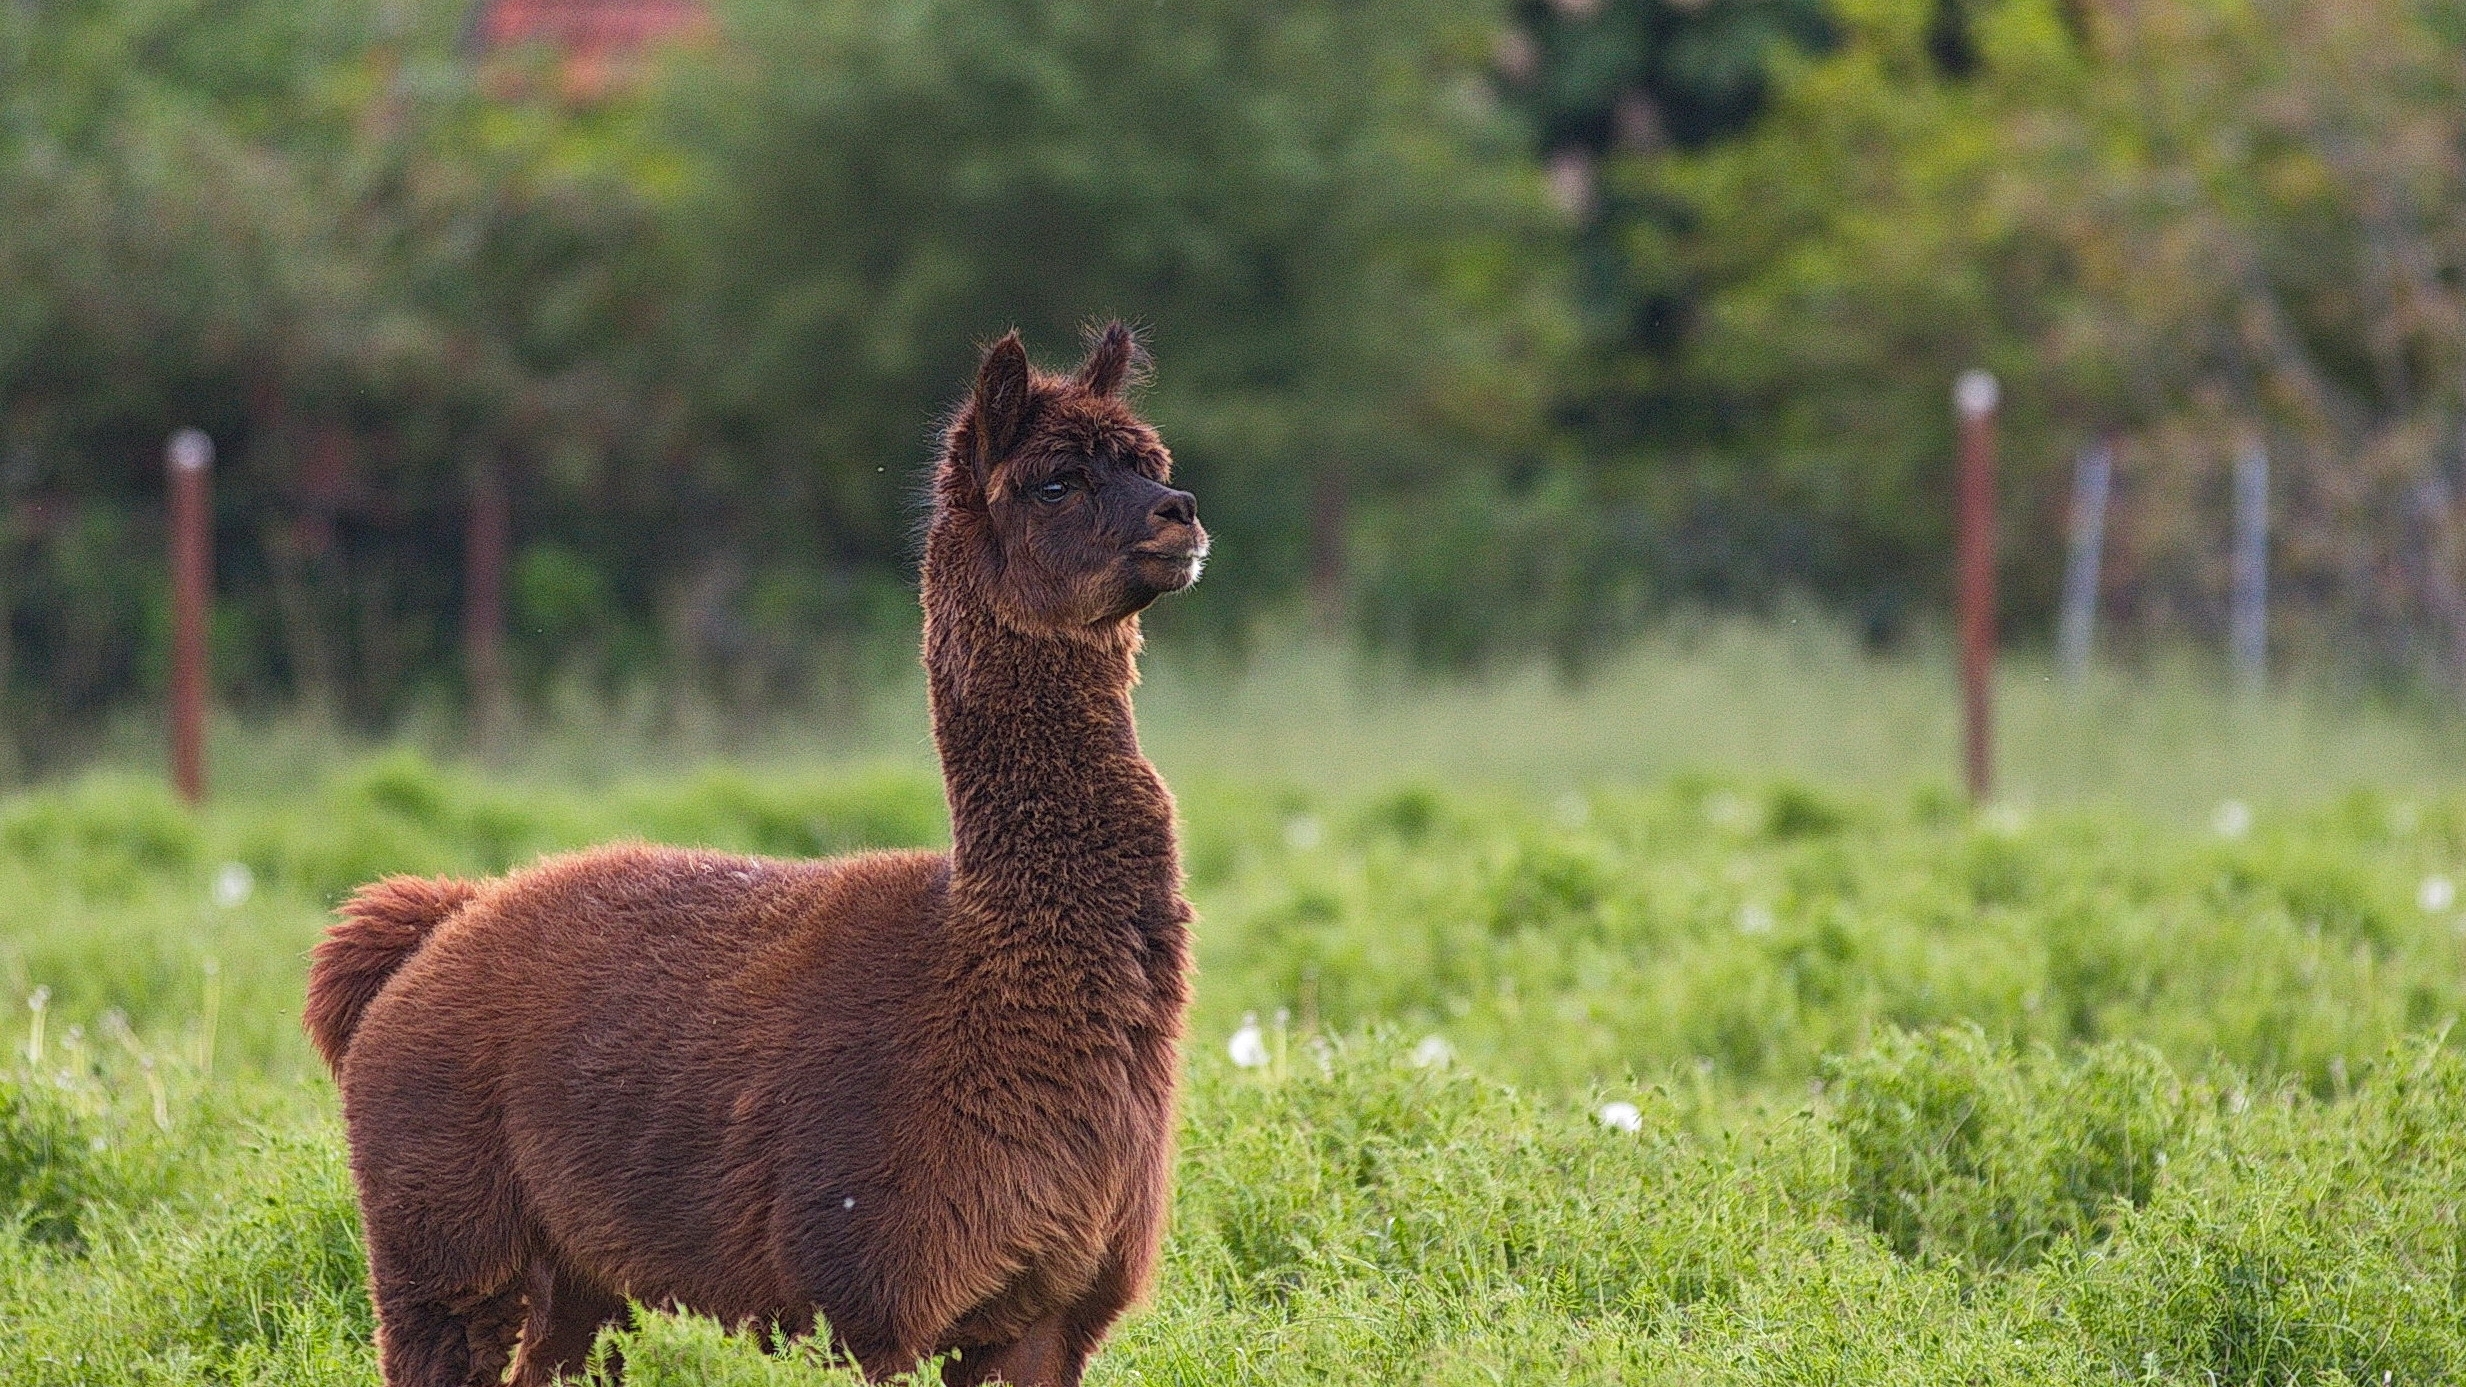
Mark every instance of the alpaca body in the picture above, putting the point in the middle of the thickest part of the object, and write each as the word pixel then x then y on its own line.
pixel 929 1098
pixel 664 1075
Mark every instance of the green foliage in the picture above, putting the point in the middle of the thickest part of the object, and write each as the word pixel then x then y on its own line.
pixel 1952 1154
pixel 403 813
pixel 2223 1144
pixel 687 1350
pixel 1346 1210
pixel 106 834
pixel 699 323
pixel 1337 248
pixel 247 1268
pixel 46 1164
pixel 1636 73
pixel 2157 225
pixel 702 324
pixel 111 888
pixel 1699 925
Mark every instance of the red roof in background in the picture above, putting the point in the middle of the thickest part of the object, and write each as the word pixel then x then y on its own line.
pixel 596 36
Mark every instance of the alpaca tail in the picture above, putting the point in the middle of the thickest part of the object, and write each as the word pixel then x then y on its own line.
pixel 382 925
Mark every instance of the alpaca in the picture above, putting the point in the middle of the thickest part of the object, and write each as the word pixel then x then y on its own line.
pixel 929 1098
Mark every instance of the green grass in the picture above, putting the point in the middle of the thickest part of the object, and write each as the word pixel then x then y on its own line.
pixel 1786 698
pixel 2082 1089
pixel 1791 699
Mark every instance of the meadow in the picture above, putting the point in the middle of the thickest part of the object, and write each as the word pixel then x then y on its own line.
pixel 1678 1026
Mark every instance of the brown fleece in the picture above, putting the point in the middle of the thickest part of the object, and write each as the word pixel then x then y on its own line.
pixel 927 1097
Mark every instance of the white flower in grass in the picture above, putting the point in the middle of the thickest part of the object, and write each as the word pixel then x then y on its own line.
pixel 1621 1116
pixel 2233 819
pixel 233 884
pixel 2004 820
pixel 1433 1052
pixel 2436 894
pixel 1725 810
pixel 1248 1047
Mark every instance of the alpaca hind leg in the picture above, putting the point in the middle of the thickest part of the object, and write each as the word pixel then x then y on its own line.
pixel 448 1290
pixel 567 1313
pixel 1042 1357
pixel 462 1342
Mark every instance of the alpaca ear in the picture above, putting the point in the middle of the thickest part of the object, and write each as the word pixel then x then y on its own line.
pixel 1002 399
pixel 1112 359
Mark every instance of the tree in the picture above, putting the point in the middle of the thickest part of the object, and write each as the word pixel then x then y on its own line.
pixel 1342 258
pixel 2184 223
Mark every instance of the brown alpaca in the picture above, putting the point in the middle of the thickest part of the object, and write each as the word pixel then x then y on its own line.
pixel 929 1098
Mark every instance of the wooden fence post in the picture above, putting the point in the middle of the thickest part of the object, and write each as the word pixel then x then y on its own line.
pixel 187 462
pixel 1974 399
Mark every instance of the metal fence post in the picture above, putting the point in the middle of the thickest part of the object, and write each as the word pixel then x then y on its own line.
pixel 2085 553
pixel 1974 399
pixel 2248 623
pixel 187 462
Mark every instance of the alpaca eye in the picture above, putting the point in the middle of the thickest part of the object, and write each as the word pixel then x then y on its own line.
pixel 1051 492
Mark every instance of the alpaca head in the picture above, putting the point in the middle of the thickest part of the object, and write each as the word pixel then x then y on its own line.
pixel 1052 505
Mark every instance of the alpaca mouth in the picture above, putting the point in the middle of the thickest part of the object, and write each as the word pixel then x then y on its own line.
pixel 1182 561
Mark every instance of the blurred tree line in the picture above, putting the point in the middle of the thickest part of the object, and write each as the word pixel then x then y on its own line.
pixel 1483 328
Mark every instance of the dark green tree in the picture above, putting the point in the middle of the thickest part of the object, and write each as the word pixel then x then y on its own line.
pixel 1328 229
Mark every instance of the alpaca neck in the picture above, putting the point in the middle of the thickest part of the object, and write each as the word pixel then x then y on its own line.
pixel 1062 833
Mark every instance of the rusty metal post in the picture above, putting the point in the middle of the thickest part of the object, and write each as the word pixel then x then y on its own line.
pixel 1974 399
pixel 187 463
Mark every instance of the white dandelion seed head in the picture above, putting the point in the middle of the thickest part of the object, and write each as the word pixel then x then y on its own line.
pixel 2436 894
pixel 1248 1047
pixel 1726 810
pixel 234 883
pixel 1433 1052
pixel 2233 819
pixel 1621 1116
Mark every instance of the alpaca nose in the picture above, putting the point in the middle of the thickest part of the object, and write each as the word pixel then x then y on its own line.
pixel 1175 508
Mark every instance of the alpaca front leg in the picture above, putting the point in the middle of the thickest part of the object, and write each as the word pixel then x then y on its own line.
pixel 567 1312
pixel 465 1343
pixel 1042 1357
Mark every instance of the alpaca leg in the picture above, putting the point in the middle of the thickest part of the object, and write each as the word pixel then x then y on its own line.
pixel 1128 1266
pixel 465 1342
pixel 878 1363
pixel 1042 1357
pixel 567 1313
pixel 447 1285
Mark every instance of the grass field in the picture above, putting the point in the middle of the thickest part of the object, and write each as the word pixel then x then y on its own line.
pixel 1754 701
pixel 2142 1076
